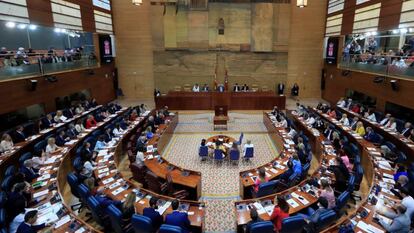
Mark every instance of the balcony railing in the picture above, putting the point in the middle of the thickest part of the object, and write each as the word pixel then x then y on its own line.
pixel 384 65
pixel 13 66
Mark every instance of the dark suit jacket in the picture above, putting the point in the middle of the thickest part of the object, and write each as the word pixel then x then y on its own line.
pixel 245 88
pixel 371 137
pixel 25 228
pixel 406 132
pixel 178 219
pixel 108 137
pixel 60 141
pixel 155 217
pixel 19 137
pixel 29 173
pixel 72 133
pixel 236 88
pixel 140 146
pixel 46 123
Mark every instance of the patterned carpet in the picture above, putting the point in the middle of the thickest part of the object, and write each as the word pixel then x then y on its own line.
pixel 220 183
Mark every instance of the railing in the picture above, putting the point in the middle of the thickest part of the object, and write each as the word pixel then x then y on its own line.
pixel 13 66
pixel 399 66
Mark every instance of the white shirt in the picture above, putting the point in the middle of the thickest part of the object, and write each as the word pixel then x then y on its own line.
pixel 16 223
pixel 117 132
pixel 5 146
pixel 392 127
pixel 310 121
pixel 247 146
pixel 51 148
pixel 283 123
pixel 345 121
pixel 384 121
pixel 408 202
pixel 196 89
pixel 79 128
pixel 292 133
pixel 139 158
pixel 372 117
pixel 341 103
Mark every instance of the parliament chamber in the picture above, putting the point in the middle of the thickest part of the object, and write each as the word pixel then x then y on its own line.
pixel 155 116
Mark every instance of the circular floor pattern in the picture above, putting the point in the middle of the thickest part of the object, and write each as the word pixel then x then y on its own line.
pixel 220 183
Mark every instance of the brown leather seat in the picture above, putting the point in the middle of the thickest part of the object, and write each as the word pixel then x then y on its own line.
pixel 138 173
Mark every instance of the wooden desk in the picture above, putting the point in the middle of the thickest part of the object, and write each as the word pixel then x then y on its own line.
pixel 161 139
pixel 207 100
pixel 220 121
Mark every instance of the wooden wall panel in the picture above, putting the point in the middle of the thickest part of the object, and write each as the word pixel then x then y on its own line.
pixel 157 27
pixel 307 26
pixel 281 27
pixel 134 48
pixel 40 12
pixel 14 95
pixel 88 18
pixel 198 29
pixel 336 86
pixel 348 17
pixel 262 27
pixel 390 15
pixel 170 27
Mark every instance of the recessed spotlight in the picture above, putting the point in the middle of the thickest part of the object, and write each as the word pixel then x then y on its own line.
pixel 10 24
pixel 374 33
pixel 403 30
pixel 22 26
pixel 58 30
pixel 32 27
pixel 63 30
pixel 395 31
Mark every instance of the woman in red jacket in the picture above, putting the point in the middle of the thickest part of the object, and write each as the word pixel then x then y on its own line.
pixel 90 122
pixel 280 212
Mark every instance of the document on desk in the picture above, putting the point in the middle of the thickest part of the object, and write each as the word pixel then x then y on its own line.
pixel 389 181
pixel 292 203
pixel 302 199
pixel 269 209
pixel 163 208
pixel 259 208
pixel 274 171
pixel 102 152
pixel 107 181
pixel 62 221
pixel 368 227
pixel 118 191
pixel 41 193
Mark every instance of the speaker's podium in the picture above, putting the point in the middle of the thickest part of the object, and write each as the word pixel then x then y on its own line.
pixel 220 117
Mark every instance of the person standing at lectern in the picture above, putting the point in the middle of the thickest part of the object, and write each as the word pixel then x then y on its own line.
pixel 280 88
pixel 196 88
pixel 236 88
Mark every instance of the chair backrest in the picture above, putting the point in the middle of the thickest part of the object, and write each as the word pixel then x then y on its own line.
pixel 391 146
pixel 165 228
pixel 141 224
pixel 342 200
pixel 84 192
pixel 115 216
pixel 262 227
pixel 380 138
pixel 325 219
pixel 3 199
pixel 38 147
pixel 293 224
pixel 96 209
pixel 234 154
pixel 153 182
pixel 73 183
pixel 10 170
pixel 5 184
pixel 402 157
pixel 218 154
pixel 138 172
pixel 266 188
pixel 25 157
pixel 203 151
pixel 3 221
pixel 249 152
pixel 351 183
pixel 305 170
pixel 354 148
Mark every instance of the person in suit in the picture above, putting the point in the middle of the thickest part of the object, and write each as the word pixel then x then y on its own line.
pixel 140 145
pixel 328 132
pixel 371 136
pixel 151 123
pixel 100 144
pixel 344 120
pixel 153 214
pixel 108 134
pixel 205 88
pixel 245 88
pixel 353 125
pixel 220 88
pixel 90 122
pixel 385 120
pixel 16 200
pixel 47 122
pixel 19 135
pixel 61 138
pixel 177 218
pixel 391 125
pixel 159 120
pixel 236 88
pixel 407 128
pixel 314 215
pixel 28 226
pixel 280 88
pixel 254 219
pixel 71 132
pixel 86 153
pixel 28 171
pixel 400 224
pixel 295 90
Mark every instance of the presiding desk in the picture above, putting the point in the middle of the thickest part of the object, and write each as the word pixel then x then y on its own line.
pixel 180 100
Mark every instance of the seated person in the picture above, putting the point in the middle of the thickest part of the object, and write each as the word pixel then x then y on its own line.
pixel 205 88
pixel 134 115
pixel 159 120
pixel 177 218
pixel 236 88
pixel 148 133
pixel 19 135
pixel 370 115
pixel 90 122
pixel 59 117
pixel 6 143
pixel 407 129
pixel 385 120
pixel 52 147
pixel 407 201
pixel 360 129
pixel 245 88
pixel 391 125
pixel 248 144
pixel 401 170
pixel 108 134
pixel 262 178
pixel 254 219
pixel 371 136
pixel 313 215
pixel 332 113
pixel 353 125
pixel 128 208
pixel 291 132
pixel 117 131
pixel 28 226
pixel 196 88
pixel 341 102
pixel 280 212
pixel 72 132
pixel 87 153
pixel 79 109
pixel 39 160
pixel 152 213
pixel 28 171
pixel 220 88
pixel 141 144
pixel 328 132
pixel 403 182
pixel 344 120
pixel 100 144
pixel 17 200
pixel 328 193
pixel 311 120
pixel 356 108
pixel 79 126
pixel 400 224
pixel 281 121
pixel 47 122
pixel 61 138
pixel 104 201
